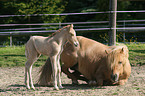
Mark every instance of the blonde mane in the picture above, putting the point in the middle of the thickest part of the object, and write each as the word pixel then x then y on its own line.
pixel 58 31
pixel 116 51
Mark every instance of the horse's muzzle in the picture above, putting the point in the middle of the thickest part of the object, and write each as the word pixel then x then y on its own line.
pixel 76 44
pixel 114 77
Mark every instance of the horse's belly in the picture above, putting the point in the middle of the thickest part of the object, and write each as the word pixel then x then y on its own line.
pixel 42 46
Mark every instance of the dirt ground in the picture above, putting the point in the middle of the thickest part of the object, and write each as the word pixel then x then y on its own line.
pixel 12 83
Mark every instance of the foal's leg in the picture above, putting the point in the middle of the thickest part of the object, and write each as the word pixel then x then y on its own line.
pixel 54 67
pixel 28 77
pixel 28 69
pixel 59 71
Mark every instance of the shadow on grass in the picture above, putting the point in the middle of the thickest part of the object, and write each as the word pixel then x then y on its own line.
pixel 12 55
pixel 17 88
pixel 138 51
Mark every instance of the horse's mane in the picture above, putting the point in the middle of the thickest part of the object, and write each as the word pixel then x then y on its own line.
pixel 116 51
pixel 58 31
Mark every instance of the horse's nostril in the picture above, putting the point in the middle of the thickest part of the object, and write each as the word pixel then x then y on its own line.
pixel 76 44
pixel 114 77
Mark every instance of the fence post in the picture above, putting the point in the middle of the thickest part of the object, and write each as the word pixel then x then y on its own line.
pixel 112 22
pixel 11 41
pixel 59 24
pixel 124 32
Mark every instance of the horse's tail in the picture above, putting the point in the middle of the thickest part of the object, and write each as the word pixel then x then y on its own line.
pixel 46 74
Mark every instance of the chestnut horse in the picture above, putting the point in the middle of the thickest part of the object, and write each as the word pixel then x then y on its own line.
pixel 95 61
pixel 51 46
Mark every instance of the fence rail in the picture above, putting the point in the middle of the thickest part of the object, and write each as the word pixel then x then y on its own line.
pixel 92 26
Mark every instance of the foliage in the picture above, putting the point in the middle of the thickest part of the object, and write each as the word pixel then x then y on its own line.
pixel 26 7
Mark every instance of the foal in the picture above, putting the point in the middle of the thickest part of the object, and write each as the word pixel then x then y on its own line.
pixel 52 47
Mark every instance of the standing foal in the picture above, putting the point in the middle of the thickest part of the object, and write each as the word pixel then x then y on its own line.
pixel 52 47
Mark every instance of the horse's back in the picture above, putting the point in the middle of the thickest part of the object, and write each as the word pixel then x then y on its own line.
pixel 90 54
pixel 40 44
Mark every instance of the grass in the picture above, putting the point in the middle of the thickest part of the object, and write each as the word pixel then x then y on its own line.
pixel 15 56
pixel 137 54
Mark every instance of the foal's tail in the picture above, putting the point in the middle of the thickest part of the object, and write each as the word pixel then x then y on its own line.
pixel 46 74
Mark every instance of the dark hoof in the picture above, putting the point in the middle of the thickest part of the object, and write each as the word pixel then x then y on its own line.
pixel 75 83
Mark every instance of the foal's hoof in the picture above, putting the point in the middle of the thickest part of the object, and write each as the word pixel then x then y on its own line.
pixel 61 87
pixel 28 88
pixel 33 88
pixel 56 88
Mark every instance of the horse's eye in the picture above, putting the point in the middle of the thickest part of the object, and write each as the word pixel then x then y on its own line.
pixel 120 62
pixel 72 34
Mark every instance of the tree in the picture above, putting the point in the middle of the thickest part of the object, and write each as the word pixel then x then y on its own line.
pixel 27 7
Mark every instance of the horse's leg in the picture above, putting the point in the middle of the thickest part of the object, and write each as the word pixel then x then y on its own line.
pixel 26 76
pixel 77 74
pixel 28 70
pixel 54 67
pixel 59 71
pixel 66 71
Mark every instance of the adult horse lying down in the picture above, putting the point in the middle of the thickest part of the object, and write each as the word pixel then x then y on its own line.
pixel 51 46
pixel 95 61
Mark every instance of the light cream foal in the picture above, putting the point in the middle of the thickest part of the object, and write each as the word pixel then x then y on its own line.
pixel 52 47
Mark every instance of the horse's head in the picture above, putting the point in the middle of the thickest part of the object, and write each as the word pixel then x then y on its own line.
pixel 71 35
pixel 116 61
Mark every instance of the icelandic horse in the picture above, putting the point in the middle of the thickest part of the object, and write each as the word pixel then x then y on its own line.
pixel 98 63
pixel 52 46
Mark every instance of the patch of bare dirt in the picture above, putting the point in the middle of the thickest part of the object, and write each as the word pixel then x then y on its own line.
pixel 12 83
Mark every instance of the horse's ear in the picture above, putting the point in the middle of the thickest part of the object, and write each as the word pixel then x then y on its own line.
pixel 106 52
pixel 71 26
pixel 122 50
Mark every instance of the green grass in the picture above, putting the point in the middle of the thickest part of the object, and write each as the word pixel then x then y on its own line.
pixel 136 54
pixel 15 56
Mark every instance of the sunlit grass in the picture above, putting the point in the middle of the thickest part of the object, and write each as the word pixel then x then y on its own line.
pixel 136 53
pixel 15 56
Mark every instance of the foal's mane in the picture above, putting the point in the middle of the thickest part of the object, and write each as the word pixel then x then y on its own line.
pixel 58 31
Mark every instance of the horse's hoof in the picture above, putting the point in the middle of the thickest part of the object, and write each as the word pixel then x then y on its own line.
pixel 75 83
pixel 33 88
pixel 92 83
pixel 50 84
pixel 61 87
pixel 56 88
pixel 28 87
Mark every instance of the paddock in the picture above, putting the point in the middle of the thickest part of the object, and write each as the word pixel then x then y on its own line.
pixel 12 77
pixel 12 83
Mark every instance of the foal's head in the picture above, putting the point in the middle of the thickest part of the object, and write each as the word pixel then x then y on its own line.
pixel 117 58
pixel 71 35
